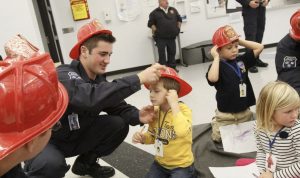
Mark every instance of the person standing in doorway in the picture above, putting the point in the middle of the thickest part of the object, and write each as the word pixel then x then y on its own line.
pixel 254 15
pixel 165 23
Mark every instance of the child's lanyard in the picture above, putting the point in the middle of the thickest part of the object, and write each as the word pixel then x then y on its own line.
pixel 271 160
pixel 237 70
pixel 271 143
pixel 160 126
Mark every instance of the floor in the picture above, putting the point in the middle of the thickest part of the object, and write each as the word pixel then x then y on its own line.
pixel 201 100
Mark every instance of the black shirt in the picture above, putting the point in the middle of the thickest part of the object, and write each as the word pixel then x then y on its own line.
pixel 287 61
pixel 228 92
pixel 166 23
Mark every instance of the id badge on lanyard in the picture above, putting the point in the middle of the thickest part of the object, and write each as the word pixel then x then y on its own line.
pixel 159 148
pixel 237 71
pixel 243 90
pixel 271 162
pixel 73 121
pixel 159 145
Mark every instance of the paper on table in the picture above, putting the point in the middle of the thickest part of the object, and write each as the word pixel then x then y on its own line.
pixel 248 171
pixel 238 138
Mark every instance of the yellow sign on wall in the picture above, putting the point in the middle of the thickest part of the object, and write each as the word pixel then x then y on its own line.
pixel 80 9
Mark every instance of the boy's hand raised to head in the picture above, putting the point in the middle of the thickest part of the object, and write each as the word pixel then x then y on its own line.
pixel 172 98
pixel 214 52
pixel 266 2
pixel 254 4
pixel 151 74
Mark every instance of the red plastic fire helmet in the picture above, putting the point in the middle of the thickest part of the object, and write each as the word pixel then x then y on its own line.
pixel 185 88
pixel 31 101
pixel 224 35
pixel 295 24
pixel 85 32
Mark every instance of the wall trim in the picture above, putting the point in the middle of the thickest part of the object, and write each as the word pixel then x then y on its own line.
pixel 133 69
pixel 271 45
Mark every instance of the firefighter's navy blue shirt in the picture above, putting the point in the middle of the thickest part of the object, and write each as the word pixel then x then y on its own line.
pixel 16 172
pixel 88 98
pixel 166 23
pixel 287 61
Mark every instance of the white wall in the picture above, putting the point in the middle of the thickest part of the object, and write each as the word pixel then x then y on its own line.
pixel 133 47
pixel 18 17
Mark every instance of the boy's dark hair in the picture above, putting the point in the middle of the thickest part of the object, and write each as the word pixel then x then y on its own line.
pixel 92 42
pixel 170 84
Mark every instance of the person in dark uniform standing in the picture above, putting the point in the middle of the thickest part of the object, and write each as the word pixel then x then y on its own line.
pixel 254 15
pixel 97 118
pixel 287 57
pixel 32 102
pixel 165 23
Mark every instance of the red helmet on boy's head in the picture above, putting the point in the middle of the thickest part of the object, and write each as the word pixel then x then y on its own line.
pixel 224 35
pixel 295 24
pixel 185 88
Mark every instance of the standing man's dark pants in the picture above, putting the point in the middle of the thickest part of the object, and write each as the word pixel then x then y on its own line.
pixel 254 23
pixel 170 44
pixel 254 27
pixel 102 138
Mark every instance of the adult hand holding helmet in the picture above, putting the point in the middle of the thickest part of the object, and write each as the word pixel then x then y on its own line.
pixel 151 74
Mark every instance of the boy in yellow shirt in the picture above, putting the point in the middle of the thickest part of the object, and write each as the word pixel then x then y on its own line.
pixel 171 131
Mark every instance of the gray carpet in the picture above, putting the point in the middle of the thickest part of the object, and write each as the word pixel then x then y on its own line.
pixel 207 153
pixel 135 162
pixel 130 160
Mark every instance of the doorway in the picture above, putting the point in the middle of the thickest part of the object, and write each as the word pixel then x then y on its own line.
pixel 48 31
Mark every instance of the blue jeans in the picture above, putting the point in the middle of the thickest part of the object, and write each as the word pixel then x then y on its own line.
pixel 157 171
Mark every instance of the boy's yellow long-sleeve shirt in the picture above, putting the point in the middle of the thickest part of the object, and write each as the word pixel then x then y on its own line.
pixel 178 131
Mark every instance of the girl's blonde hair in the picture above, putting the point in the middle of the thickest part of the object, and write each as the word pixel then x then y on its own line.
pixel 274 96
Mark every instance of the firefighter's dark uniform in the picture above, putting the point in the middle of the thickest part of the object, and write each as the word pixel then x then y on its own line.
pixel 16 172
pixel 254 24
pixel 165 34
pixel 287 61
pixel 99 134
pixel 254 21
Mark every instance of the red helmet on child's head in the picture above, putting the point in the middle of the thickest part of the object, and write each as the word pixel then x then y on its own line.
pixel 185 88
pixel 31 101
pixel 224 35
pixel 295 24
